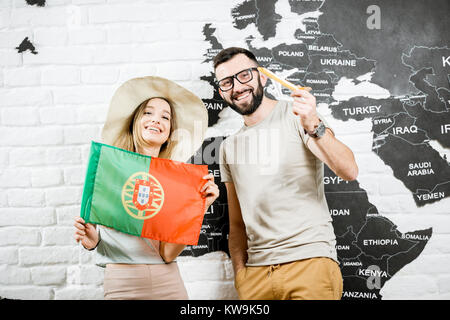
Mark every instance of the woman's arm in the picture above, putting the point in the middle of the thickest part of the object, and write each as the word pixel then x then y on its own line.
pixel 169 251
pixel 210 191
pixel 86 233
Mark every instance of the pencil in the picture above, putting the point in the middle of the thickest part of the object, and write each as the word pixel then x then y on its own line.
pixel 283 82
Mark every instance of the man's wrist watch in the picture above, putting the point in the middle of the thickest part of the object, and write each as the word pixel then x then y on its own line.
pixel 318 132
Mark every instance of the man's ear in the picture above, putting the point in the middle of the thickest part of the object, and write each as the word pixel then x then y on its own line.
pixel 263 79
pixel 220 92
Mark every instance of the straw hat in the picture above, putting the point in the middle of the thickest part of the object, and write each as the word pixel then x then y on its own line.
pixel 190 113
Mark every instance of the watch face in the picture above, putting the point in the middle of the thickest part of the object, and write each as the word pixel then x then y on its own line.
pixel 320 131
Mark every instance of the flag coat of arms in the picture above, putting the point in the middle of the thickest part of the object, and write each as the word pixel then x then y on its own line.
pixel 144 196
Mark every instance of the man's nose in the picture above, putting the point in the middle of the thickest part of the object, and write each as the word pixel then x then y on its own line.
pixel 237 86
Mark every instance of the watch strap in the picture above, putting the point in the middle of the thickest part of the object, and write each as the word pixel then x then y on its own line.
pixel 319 130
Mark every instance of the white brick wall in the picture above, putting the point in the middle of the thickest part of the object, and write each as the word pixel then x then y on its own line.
pixel 53 103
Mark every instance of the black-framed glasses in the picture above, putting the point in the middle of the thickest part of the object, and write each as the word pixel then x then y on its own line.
pixel 243 76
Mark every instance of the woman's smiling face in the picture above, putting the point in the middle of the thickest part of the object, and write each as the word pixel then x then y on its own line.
pixel 155 122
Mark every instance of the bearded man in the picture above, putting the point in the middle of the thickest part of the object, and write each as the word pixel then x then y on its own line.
pixel 281 239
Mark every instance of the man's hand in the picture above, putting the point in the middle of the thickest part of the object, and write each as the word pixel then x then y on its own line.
pixel 304 106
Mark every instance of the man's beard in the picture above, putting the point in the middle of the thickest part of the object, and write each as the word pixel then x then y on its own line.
pixel 251 107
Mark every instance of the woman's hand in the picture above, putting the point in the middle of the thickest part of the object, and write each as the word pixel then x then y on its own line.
pixel 86 233
pixel 210 190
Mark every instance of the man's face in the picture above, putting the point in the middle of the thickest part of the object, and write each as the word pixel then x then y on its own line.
pixel 243 98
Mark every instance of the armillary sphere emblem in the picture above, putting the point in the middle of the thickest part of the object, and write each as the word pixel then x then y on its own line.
pixel 142 196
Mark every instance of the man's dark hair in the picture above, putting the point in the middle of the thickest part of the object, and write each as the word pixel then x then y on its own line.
pixel 228 53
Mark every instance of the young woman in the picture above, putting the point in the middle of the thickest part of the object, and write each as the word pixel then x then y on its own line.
pixel 144 117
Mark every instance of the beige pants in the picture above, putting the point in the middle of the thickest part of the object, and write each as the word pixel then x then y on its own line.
pixel 309 279
pixel 143 282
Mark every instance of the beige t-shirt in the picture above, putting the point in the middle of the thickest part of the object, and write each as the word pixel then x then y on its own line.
pixel 279 185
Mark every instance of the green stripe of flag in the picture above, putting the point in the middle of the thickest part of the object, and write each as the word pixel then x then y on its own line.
pixel 110 190
pixel 90 179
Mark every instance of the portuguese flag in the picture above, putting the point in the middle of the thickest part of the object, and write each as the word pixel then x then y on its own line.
pixel 144 196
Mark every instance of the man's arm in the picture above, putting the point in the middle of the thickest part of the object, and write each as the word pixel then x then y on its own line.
pixel 336 155
pixel 237 238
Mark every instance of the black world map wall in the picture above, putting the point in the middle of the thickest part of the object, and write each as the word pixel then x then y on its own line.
pixel 402 47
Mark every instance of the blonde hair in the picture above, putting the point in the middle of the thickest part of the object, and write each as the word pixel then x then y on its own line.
pixel 132 140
